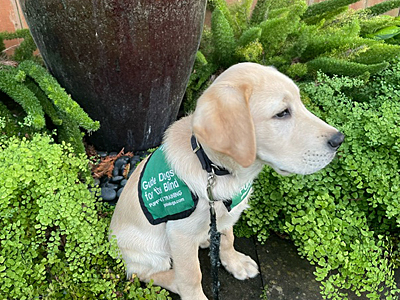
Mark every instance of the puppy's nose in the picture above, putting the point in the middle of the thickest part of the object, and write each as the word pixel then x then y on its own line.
pixel 336 140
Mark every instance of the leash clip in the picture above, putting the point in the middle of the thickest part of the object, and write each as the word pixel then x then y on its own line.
pixel 210 185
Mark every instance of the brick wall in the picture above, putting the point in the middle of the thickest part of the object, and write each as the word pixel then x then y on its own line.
pixel 11 19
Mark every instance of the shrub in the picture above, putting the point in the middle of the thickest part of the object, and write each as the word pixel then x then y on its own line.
pixel 39 94
pixel 344 219
pixel 296 39
pixel 53 236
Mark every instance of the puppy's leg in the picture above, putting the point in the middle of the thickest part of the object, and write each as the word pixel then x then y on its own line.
pixel 164 279
pixel 240 265
pixel 186 266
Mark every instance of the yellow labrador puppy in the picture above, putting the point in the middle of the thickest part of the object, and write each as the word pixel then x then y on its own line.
pixel 249 117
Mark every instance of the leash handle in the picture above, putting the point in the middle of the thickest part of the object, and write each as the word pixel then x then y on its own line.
pixel 215 238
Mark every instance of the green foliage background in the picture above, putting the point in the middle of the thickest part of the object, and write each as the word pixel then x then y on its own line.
pixel 53 235
pixel 297 39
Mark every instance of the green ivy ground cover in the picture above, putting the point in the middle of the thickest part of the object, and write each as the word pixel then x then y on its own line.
pixel 53 230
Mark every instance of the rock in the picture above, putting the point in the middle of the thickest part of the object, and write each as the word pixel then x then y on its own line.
pixel 108 194
pixel 118 164
pixel 116 179
pixel 111 186
pixel 133 165
pixel 122 160
pixel 96 182
pixel 135 159
pixel 115 172
pixel 126 158
pixel 119 192
pixel 102 154
pixel 122 168
pixel 113 154
pixel 104 180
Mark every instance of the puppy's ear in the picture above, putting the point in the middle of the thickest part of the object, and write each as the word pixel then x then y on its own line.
pixel 223 122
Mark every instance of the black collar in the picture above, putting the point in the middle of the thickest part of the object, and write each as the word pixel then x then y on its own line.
pixel 206 163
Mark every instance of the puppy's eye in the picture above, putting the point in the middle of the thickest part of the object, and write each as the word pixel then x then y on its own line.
pixel 283 114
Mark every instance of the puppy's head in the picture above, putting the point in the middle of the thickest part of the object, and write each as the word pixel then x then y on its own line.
pixel 252 112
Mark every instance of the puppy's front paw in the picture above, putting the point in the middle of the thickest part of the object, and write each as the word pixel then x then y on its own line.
pixel 240 265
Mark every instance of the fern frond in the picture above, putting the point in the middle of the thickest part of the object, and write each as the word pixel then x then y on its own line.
pixel 296 70
pixel 47 105
pixel 12 86
pixel 58 95
pixel 240 12
pixel 250 52
pixel 334 66
pixel 382 7
pixel 223 38
pixel 372 25
pixel 69 133
pixel 335 39
pixel 327 16
pixel 252 34
pixel 378 53
pixel 25 50
pixel 326 6
pixel 222 6
pixel 275 31
pixel 260 12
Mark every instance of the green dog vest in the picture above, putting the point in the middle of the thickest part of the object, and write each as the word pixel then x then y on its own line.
pixel 164 196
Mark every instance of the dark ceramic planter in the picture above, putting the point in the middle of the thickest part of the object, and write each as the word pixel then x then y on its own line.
pixel 126 62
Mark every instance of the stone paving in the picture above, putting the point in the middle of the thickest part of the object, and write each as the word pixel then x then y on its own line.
pixel 284 275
